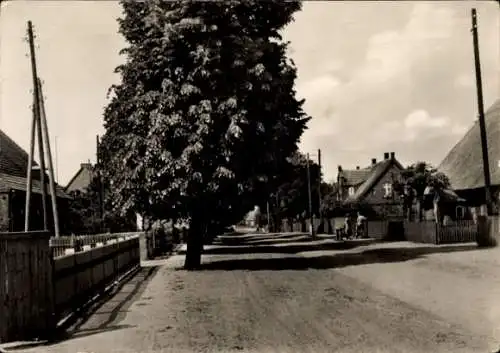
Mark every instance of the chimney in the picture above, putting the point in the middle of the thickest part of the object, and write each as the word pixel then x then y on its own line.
pixel 374 161
pixel 393 155
pixel 357 167
pixel 386 155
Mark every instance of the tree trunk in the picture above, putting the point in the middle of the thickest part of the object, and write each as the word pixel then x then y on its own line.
pixel 487 231
pixel 196 235
pixel 420 209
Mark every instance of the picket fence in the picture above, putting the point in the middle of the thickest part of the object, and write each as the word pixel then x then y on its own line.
pixel 39 286
pixel 462 231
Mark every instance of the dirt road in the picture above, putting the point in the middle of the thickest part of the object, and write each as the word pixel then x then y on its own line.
pixel 373 298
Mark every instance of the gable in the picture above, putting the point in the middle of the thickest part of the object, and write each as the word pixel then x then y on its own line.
pixel 81 180
pixel 380 174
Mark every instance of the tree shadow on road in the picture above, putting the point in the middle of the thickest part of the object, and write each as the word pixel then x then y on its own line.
pixel 105 315
pixel 290 248
pixel 339 260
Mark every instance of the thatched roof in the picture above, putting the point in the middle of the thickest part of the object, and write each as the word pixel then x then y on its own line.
pixel 464 163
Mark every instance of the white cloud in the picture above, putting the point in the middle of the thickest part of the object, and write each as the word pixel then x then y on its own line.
pixel 392 53
pixel 420 119
pixel 418 125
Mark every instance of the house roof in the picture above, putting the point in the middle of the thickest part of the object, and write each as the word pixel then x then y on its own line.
pixel 355 177
pixel 464 164
pixel 81 179
pixel 13 159
pixel 12 182
pixel 14 167
pixel 376 172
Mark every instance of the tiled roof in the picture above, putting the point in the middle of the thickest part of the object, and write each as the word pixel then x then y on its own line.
pixel 14 167
pixel 12 182
pixel 356 177
pixel 13 159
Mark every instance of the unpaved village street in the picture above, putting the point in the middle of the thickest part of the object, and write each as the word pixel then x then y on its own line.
pixel 395 297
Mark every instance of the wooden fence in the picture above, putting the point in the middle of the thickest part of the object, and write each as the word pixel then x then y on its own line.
pixel 67 245
pixel 463 231
pixel 26 297
pixel 377 229
pixel 421 232
pixel 80 276
pixel 37 290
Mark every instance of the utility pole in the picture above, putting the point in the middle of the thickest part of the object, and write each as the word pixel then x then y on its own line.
pixel 30 168
pixel 38 126
pixel 57 165
pixel 319 186
pixel 52 184
pixel 482 123
pixel 311 215
pixel 100 182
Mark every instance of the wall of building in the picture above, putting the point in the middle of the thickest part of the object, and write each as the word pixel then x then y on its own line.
pixel 4 212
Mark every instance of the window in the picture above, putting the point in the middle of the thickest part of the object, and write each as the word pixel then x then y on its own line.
pixel 351 191
pixel 387 190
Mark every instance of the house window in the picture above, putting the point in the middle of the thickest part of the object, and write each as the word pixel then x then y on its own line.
pixel 351 191
pixel 387 190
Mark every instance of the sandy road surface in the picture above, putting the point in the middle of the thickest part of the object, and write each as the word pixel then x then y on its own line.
pixel 375 298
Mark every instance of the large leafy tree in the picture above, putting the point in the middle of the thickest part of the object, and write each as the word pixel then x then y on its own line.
pixel 205 115
pixel 414 181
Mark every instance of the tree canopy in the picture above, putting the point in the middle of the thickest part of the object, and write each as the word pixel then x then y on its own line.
pixel 205 115
pixel 421 175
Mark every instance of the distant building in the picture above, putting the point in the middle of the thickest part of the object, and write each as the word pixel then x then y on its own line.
pixel 372 185
pixel 464 163
pixel 13 171
pixel 82 178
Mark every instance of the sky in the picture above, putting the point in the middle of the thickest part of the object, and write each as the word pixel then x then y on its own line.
pixel 376 76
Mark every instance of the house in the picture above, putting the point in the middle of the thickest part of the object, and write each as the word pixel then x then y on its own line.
pixel 373 186
pixel 13 170
pixel 82 179
pixel 464 164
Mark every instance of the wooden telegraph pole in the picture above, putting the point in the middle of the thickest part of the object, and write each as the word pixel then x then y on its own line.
pixel 319 186
pixel 30 167
pixel 39 127
pixel 100 182
pixel 482 122
pixel 52 184
pixel 36 117
pixel 311 215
